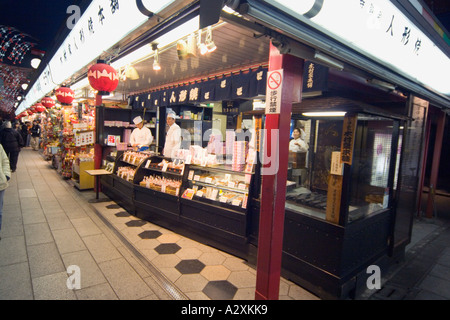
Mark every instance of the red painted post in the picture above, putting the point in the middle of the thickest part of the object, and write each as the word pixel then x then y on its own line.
pixel 98 151
pixel 273 188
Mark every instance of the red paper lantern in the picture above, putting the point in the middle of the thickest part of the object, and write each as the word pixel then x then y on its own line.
pixel 103 78
pixel 39 108
pixel 48 102
pixel 65 95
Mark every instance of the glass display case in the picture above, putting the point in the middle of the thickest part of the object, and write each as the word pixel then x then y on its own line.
pixel 349 170
pixel 218 186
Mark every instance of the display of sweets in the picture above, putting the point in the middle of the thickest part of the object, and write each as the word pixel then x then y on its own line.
pixel 171 186
pixel 134 157
pixel 239 153
pixel 126 173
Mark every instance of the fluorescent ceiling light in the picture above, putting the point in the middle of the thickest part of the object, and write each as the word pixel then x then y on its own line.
pixel 133 57
pixel 325 114
pixel 328 61
pixel 80 84
pixel 163 41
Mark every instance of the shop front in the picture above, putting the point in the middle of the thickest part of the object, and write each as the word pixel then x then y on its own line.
pixel 300 150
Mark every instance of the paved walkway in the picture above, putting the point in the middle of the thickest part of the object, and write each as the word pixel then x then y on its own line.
pixel 49 227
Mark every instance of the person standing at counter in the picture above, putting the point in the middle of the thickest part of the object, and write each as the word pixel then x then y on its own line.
pixel 141 135
pixel 298 150
pixel 298 144
pixel 173 136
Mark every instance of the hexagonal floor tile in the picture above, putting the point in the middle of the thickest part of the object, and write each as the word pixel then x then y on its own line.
pixel 190 266
pixel 220 290
pixel 167 248
pixel 214 273
pixel 113 206
pixel 135 223
pixel 150 234
pixel 122 214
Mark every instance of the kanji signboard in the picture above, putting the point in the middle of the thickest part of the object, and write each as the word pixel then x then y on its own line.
pixel 273 91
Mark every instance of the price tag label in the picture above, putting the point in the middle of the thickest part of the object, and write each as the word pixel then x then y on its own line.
pixel 208 180
pixel 148 163
pixel 165 166
pixel 236 202
pixel 242 186
pixel 244 202
pixel 223 199
pixel 231 184
pixel 163 188
pixel 199 193
pixel 191 174
pixel 214 194
pixel 196 177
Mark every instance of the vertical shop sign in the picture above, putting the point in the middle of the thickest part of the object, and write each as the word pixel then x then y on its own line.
pixel 348 138
pixel 273 91
pixel 334 197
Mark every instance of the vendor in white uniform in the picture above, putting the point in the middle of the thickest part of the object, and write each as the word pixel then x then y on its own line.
pixel 141 135
pixel 173 137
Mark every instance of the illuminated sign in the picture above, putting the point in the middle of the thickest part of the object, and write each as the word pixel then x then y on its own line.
pixel 379 30
pixel 102 25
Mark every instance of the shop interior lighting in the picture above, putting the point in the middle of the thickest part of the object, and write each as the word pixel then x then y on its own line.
pixel 325 114
pixel 329 61
pixel 131 73
pixel 80 84
pixel 382 84
pixel 24 86
pixel 156 64
pixel 210 46
pixel 201 46
pixel 165 40
pixel 35 62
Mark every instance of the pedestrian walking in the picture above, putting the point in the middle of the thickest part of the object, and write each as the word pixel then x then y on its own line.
pixel 35 135
pixel 24 133
pixel 11 141
pixel 5 175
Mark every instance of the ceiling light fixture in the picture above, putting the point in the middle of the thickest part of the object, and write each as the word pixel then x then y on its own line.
pixel 210 46
pixel 201 46
pixel 35 63
pixel 328 61
pixel 325 114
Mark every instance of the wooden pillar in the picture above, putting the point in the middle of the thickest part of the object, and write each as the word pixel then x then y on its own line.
pixel 440 125
pixel 273 188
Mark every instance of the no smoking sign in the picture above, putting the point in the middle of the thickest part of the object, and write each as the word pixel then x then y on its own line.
pixel 273 92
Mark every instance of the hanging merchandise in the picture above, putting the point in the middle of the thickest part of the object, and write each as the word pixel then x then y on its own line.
pixel 103 78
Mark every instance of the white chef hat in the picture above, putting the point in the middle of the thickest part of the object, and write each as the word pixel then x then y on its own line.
pixel 137 120
pixel 171 114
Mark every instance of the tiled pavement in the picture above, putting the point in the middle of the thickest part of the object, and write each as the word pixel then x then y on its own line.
pixel 48 226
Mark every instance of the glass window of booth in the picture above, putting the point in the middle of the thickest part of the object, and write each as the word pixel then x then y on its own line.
pixel 321 185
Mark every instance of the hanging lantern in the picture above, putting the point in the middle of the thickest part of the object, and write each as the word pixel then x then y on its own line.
pixel 39 107
pixel 48 102
pixel 65 95
pixel 103 78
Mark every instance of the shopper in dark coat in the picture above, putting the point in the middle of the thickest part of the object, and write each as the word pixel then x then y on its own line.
pixel 11 141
